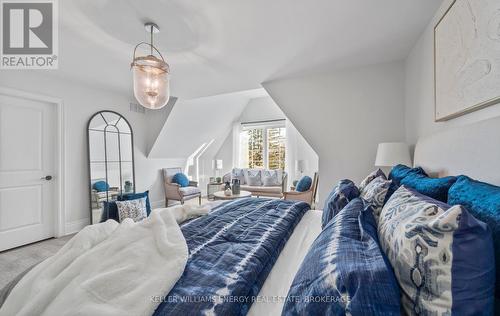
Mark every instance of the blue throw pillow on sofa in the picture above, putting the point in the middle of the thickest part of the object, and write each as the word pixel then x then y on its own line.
pixel 110 209
pixel 304 184
pixel 101 186
pixel 345 271
pixel 341 195
pixel 181 179
pixel 483 201
pixel 436 188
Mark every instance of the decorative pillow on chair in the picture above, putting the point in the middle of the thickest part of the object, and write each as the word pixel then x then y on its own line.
pixel 374 193
pixel 134 209
pixel 341 195
pixel 370 177
pixel 304 184
pixel 239 174
pixel 253 177
pixel 483 201
pixel 345 271
pixel 101 186
pixel 181 179
pixel 442 256
pixel 436 188
pixel 270 178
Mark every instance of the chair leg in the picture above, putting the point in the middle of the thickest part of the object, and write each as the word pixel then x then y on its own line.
pixel 199 199
pixel 166 202
pixel 182 202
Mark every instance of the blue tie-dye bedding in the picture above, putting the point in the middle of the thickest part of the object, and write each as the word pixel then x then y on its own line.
pixel 231 252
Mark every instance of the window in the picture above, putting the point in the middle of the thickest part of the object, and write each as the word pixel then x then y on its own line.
pixel 263 146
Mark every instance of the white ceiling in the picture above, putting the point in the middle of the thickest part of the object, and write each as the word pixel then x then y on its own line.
pixel 223 46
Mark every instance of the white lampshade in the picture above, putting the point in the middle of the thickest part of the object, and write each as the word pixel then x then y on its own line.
pixel 300 165
pixel 218 164
pixel 391 154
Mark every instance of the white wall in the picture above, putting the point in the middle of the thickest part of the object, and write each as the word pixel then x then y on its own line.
pixel 80 103
pixel 419 89
pixel 344 115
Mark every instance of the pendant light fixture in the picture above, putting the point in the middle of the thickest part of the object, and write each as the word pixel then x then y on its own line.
pixel 151 75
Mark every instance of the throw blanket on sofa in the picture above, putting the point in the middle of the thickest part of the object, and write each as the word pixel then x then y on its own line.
pixel 231 252
pixel 106 269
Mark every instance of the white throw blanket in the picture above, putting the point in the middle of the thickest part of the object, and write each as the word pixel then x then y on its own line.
pixel 107 269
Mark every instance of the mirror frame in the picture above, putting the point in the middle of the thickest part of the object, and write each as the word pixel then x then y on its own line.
pixel 105 162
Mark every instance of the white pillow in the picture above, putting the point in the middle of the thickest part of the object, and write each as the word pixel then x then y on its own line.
pixel 239 174
pixel 134 209
pixel 253 177
pixel 270 178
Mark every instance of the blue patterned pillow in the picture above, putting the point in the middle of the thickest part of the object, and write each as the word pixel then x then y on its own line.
pixel 342 194
pixel 345 272
pixel 442 256
pixel 135 196
pixel 483 201
pixel 375 174
pixel 181 179
pixel 398 173
pixel 436 188
pixel 374 193
pixel 110 209
pixel 304 184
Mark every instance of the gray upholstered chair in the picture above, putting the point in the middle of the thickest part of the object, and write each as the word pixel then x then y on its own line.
pixel 308 196
pixel 175 192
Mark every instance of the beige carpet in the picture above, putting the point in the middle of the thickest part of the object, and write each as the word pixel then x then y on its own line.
pixel 15 261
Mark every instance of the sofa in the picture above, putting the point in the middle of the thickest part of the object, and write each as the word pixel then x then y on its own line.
pixel 260 182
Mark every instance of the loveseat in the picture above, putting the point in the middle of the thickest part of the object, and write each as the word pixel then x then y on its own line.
pixel 260 182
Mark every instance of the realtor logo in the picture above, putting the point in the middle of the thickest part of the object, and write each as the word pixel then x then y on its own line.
pixel 29 34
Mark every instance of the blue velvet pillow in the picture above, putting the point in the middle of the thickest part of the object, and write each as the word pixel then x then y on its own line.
pixel 436 188
pixel 483 201
pixel 341 195
pixel 110 209
pixel 345 272
pixel 304 184
pixel 181 179
pixel 135 196
pixel 398 173
pixel 101 186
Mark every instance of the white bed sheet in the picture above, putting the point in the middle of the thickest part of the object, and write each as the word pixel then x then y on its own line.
pixel 272 295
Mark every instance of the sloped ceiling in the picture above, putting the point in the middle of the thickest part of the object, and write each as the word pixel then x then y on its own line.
pixel 195 123
pixel 224 46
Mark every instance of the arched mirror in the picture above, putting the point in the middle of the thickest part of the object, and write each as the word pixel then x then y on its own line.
pixel 111 160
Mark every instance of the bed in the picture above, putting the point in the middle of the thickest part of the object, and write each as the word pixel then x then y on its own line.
pixel 285 244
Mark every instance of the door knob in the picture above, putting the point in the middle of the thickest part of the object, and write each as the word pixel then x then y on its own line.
pixel 48 178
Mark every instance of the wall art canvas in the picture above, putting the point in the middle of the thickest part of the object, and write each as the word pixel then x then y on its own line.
pixel 467 58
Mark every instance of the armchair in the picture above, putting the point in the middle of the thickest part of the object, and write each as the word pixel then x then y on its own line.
pixel 175 192
pixel 308 196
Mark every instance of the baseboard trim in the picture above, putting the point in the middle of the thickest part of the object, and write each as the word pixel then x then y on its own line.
pixel 76 226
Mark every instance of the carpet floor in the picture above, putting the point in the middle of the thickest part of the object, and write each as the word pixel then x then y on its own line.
pixel 15 261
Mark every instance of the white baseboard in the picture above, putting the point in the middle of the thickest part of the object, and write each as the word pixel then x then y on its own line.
pixel 76 226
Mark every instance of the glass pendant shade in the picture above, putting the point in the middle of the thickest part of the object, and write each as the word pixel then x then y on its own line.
pixel 151 81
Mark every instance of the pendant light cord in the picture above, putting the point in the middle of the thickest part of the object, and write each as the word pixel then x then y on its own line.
pixel 151 40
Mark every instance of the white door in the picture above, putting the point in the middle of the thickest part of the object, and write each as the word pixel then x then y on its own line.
pixel 27 156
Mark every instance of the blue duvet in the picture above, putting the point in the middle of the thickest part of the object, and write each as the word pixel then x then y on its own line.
pixel 231 252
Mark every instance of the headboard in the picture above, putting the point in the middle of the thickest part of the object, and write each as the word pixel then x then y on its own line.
pixel 473 150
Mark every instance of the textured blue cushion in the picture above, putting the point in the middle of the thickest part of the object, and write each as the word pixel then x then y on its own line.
pixel 181 179
pixel 442 256
pixel 304 184
pixel 483 201
pixel 110 210
pixel 345 271
pixel 341 195
pixel 101 186
pixel 436 188
pixel 398 173
pixel 135 196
